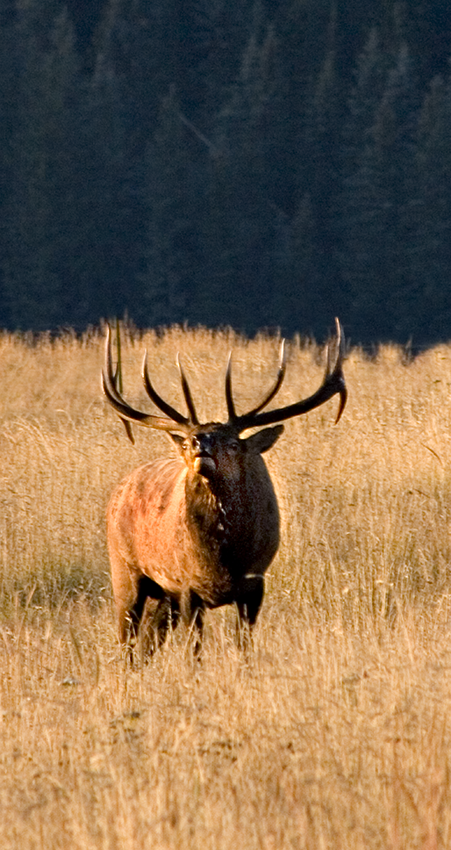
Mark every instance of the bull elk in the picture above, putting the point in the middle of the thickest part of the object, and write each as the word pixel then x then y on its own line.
pixel 198 530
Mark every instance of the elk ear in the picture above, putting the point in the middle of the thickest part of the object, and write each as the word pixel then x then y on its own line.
pixel 263 440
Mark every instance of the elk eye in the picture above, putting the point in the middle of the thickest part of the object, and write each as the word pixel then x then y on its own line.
pixel 185 445
pixel 234 447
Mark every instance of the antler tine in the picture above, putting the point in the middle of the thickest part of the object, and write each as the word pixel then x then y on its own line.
pixel 157 400
pixel 110 376
pixel 333 383
pixel 328 361
pixel 187 393
pixel 338 373
pixel 231 410
pixel 108 370
pixel 273 391
pixel 278 382
pixel 122 408
pixel 338 345
pixel 117 379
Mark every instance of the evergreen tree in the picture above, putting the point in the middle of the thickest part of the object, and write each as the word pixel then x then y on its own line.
pixel 217 33
pixel 8 120
pixel 323 120
pixel 166 284
pixel 41 186
pixel 299 299
pixel 241 211
pixel 108 225
pixel 137 41
pixel 431 256
pixel 373 217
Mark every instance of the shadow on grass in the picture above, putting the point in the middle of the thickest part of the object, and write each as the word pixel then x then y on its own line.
pixel 54 587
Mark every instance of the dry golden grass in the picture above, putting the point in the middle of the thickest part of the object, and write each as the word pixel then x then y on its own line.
pixel 336 733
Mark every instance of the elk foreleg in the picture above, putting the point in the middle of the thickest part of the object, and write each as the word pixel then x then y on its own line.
pixel 248 605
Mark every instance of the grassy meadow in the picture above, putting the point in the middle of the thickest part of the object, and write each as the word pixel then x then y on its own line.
pixel 336 732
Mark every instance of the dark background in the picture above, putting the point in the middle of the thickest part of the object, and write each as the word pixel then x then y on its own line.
pixel 259 164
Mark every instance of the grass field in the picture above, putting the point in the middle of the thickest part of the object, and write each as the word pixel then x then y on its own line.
pixel 336 732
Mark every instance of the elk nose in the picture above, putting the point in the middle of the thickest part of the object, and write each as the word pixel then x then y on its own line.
pixel 202 445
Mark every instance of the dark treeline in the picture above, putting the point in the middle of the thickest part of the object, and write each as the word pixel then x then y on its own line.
pixel 258 163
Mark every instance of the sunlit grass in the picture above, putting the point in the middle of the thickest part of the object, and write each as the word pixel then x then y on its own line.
pixel 336 732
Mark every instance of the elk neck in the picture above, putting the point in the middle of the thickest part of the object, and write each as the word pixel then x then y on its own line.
pixel 219 514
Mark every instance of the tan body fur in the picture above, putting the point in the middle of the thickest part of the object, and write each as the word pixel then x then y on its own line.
pixel 202 543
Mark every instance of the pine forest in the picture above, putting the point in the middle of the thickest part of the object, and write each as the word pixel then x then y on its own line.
pixel 259 164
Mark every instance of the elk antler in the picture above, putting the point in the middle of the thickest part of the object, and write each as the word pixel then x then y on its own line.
pixel 177 422
pixel 163 405
pixel 158 401
pixel 268 397
pixel 333 383
pixel 187 393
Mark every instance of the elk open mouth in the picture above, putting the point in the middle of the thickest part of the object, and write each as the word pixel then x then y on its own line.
pixel 204 465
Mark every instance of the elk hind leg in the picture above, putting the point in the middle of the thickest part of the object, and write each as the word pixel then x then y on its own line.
pixel 134 603
pixel 160 615
pixel 193 612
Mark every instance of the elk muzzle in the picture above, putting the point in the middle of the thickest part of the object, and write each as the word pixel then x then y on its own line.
pixel 204 463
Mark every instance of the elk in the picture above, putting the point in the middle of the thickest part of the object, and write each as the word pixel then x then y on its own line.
pixel 198 530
